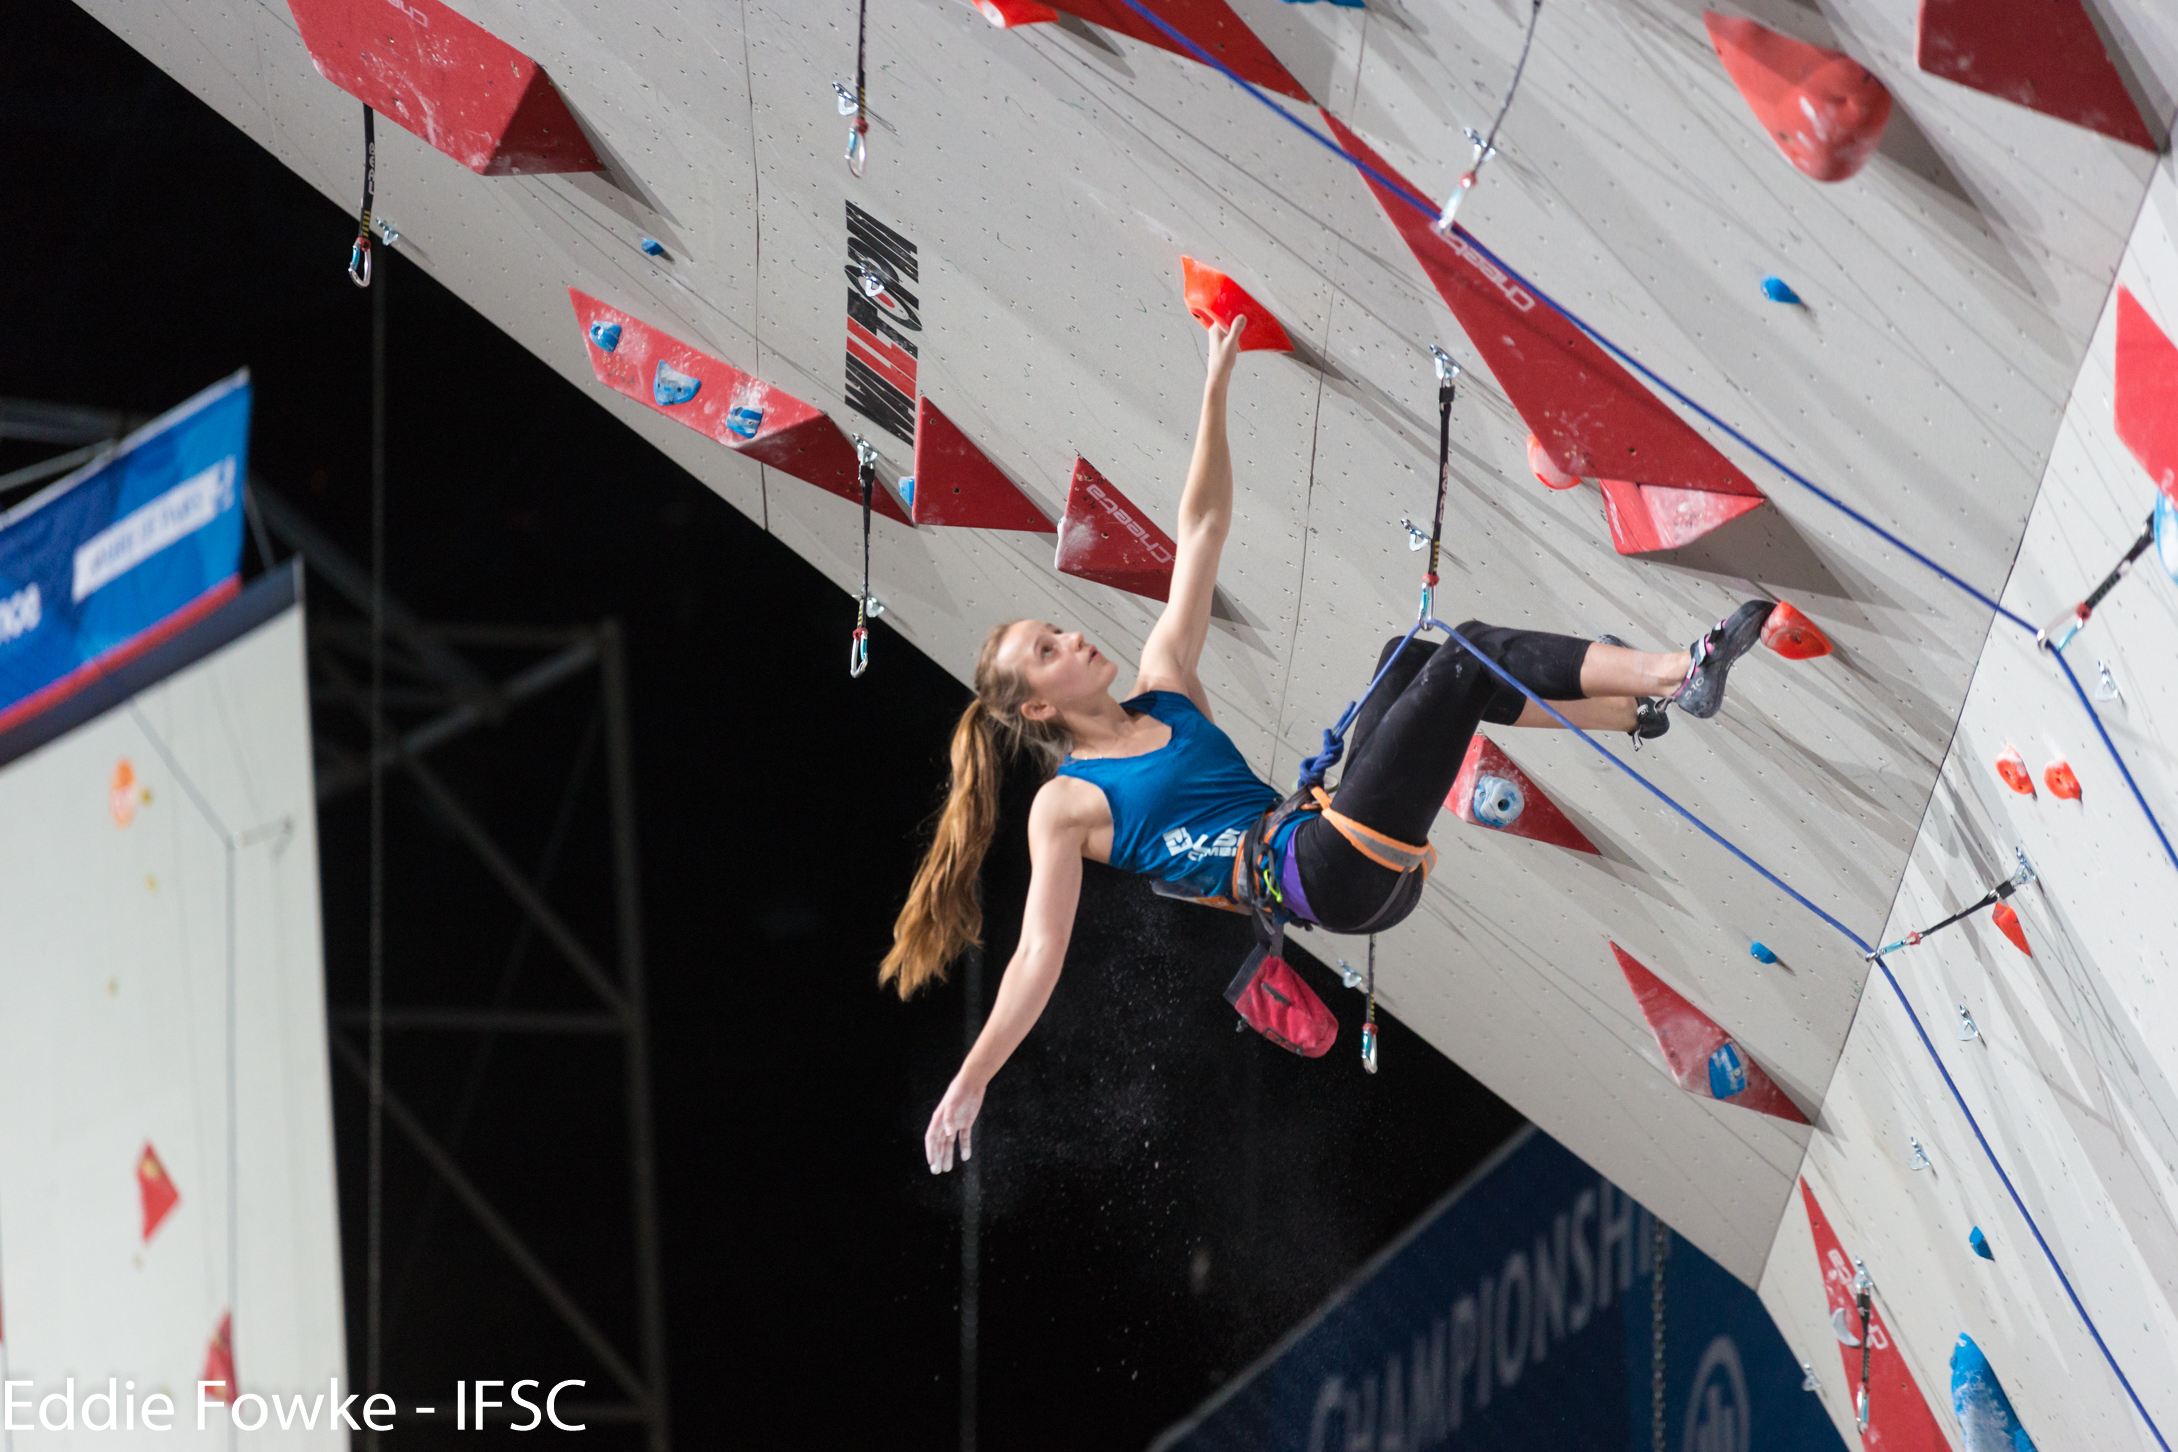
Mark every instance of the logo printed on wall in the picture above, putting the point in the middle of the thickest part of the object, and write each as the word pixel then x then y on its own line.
pixel 1128 522
pixel 881 356
pixel 1718 1415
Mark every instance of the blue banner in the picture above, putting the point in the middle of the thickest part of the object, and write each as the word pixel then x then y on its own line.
pixel 123 552
pixel 1520 1313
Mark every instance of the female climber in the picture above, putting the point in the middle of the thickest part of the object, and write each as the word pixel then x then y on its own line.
pixel 1152 785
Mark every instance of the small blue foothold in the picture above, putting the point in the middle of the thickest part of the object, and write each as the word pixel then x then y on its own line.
pixel 1498 802
pixel 1777 290
pixel 1727 1072
pixel 652 247
pixel 1762 952
pixel 743 422
pixel 1980 1243
pixel 670 386
pixel 605 335
pixel 907 489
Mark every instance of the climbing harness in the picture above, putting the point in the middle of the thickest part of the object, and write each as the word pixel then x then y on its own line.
pixel 1368 1023
pixel 359 256
pixel 2059 632
pixel 1659 1248
pixel 857 105
pixel 1486 145
pixel 866 607
pixel 2001 891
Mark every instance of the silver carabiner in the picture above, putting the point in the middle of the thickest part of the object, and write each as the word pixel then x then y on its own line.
pixel 858 653
pixel 359 261
pixel 858 152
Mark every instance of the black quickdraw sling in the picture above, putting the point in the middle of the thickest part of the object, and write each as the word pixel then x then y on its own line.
pixel 359 256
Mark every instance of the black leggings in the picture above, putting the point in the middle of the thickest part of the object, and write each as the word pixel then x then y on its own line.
pixel 1406 748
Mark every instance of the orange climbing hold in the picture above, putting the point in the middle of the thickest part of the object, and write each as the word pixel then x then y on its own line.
pixel 2007 922
pixel 1215 298
pixel 2013 768
pixel 1792 635
pixel 1006 14
pixel 1106 538
pixel 1546 468
pixel 2058 777
pixel 1825 110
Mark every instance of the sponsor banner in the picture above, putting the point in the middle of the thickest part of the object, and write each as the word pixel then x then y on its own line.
pixel 123 552
pixel 881 348
pixel 1520 1313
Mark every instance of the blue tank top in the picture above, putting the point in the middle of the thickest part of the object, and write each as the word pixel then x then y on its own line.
pixel 1178 813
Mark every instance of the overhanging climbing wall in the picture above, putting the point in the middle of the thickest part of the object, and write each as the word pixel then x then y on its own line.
pixel 1912 338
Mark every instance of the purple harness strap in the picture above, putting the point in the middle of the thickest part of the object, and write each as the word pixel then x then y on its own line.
pixel 1289 882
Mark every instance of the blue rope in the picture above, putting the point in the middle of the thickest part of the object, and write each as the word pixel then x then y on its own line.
pixel 1429 209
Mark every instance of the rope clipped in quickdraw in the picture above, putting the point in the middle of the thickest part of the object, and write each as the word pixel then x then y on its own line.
pixel 1313 769
pixel 1486 146
pixel 359 256
pixel 858 105
pixel 1368 1024
pixel 1863 1301
pixel 2059 632
pixel 1996 894
pixel 1659 1250
pixel 858 649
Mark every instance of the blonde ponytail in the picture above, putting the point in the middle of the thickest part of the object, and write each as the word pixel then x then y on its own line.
pixel 943 916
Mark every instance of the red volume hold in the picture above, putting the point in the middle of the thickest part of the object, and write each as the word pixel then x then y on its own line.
pixel 2146 406
pixel 2041 54
pixel 1792 635
pixel 1825 110
pixel 1006 14
pixel 1898 1416
pixel 1649 517
pixel 437 73
pixel 956 483
pixel 1105 538
pixel 1702 1057
pixel 155 1188
pixel 721 402
pixel 1524 811
pixel 1210 24
pixel 1591 416
pixel 1215 298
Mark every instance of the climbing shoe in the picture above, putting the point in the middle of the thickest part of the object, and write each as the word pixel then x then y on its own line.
pixel 1702 692
pixel 1650 720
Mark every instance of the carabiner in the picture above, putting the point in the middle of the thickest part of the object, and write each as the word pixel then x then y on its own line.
pixel 359 260
pixel 858 152
pixel 858 653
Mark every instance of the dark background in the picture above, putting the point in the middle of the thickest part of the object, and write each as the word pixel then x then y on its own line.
pixel 1162 1196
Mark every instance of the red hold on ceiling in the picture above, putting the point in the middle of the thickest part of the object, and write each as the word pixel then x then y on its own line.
pixel 1105 537
pixel 439 74
pixel 2146 405
pixel 2042 54
pixel 1215 298
pixel 1211 24
pixel 1898 1416
pixel 957 485
pixel 1702 1057
pixel 1825 110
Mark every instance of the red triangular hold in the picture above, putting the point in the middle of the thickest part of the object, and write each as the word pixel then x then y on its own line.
pixel 1105 538
pixel 1211 24
pixel 956 485
pixel 219 1362
pixel 1215 298
pixel 745 414
pixel 2146 406
pixel 1538 818
pixel 1702 1057
pixel 156 1188
pixel 1648 517
pixel 2006 918
pixel 1899 1419
pixel 1825 110
pixel 1006 14
pixel 1591 416
pixel 2042 54
pixel 433 71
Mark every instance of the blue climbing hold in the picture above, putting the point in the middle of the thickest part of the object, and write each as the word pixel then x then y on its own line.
pixel 743 422
pixel 1777 290
pixel 1977 1397
pixel 2166 533
pixel 1727 1071
pixel 652 247
pixel 1762 952
pixel 605 335
pixel 907 490
pixel 670 386
pixel 1980 1243
pixel 1498 802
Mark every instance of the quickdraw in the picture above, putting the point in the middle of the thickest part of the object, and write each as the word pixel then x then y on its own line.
pixel 857 105
pixel 858 648
pixel 1368 1024
pixel 359 256
pixel 2059 632
pixel 2001 891
pixel 1486 145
